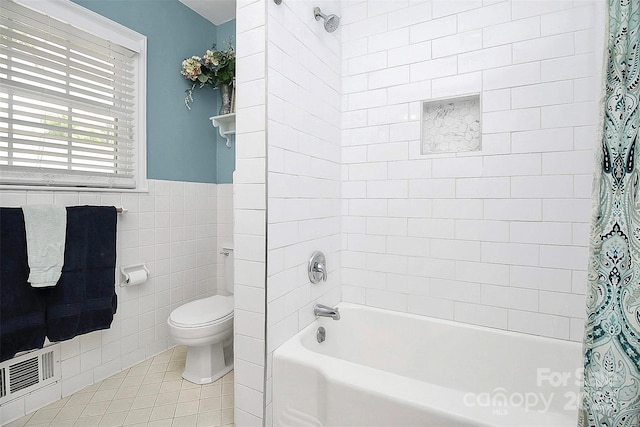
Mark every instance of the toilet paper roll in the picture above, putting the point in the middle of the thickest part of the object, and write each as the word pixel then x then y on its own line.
pixel 136 277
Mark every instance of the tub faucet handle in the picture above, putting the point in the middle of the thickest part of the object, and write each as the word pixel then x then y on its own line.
pixel 321 270
pixel 317 268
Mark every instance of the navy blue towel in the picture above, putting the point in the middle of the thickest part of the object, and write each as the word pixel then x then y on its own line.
pixel 22 308
pixel 84 299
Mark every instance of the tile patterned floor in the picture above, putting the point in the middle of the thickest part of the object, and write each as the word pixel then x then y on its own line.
pixel 150 394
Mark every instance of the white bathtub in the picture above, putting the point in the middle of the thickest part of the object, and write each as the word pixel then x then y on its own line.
pixel 383 368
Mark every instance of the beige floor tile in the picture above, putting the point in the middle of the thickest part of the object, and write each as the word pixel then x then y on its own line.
pixel 229 378
pixel 160 423
pixel 143 402
pixel 227 388
pixel 111 383
pixel 170 386
pixel 59 403
pixel 132 381
pixel 209 419
pixel 227 401
pixel 79 399
pixel 136 416
pixel 186 408
pixel 189 395
pixel 176 366
pixel 43 416
pixel 127 392
pixel 173 376
pixel 211 404
pixel 113 420
pixel 188 421
pixel 95 408
pixel 119 405
pixel 146 389
pixel 163 412
pixel 151 394
pixel 211 390
pixel 161 358
pixel 188 384
pixel 158 367
pixel 153 377
pixel 69 412
pixel 62 423
pixel 227 416
pixel 90 388
pixel 88 421
pixel 20 422
pixel 144 365
pixel 104 395
pixel 122 374
pixel 167 398
pixel 179 353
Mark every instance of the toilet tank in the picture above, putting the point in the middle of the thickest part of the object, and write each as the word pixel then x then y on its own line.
pixel 228 268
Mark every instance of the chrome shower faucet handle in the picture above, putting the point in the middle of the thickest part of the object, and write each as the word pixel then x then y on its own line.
pixel 317 268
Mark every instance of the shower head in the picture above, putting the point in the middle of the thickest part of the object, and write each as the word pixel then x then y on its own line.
pixel 331 22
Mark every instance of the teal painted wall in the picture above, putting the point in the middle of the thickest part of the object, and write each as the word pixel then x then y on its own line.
pixel 182 145
pixel 226 157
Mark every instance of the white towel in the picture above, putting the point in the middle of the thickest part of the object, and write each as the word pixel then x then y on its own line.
pixel 46 230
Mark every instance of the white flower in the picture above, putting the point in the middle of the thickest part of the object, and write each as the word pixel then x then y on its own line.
pixel 191 68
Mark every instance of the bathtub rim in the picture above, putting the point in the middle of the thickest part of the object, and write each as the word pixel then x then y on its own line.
pixel 294 351
pixel 439 320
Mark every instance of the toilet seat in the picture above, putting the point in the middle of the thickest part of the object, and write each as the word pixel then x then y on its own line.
pixel 203 312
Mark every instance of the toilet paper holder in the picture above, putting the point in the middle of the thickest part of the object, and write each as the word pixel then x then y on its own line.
pixel 134 275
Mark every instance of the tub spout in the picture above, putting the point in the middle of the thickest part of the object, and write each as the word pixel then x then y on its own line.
pixel 324 311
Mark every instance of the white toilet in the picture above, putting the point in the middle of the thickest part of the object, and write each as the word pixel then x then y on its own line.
pixel 205 326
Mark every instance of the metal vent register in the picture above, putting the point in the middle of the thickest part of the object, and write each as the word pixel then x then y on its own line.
pixel 29 372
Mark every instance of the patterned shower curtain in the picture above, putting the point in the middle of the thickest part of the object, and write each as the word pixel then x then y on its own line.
pixel 612 336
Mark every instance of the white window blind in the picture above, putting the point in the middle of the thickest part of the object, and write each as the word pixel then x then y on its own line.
pixel 69 104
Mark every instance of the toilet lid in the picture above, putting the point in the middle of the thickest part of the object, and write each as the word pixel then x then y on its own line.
pixel 203 311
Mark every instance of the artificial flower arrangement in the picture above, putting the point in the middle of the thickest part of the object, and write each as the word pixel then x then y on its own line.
pixel 215 69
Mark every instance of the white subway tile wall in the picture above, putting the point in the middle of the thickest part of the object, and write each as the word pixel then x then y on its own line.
pixel 249 202
pixel 497 237
pixel 174 229
pixel 303 167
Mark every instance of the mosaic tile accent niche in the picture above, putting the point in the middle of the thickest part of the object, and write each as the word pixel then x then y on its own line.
pixel 451 125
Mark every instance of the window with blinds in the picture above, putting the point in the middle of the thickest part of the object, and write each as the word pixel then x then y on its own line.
pixel 70 100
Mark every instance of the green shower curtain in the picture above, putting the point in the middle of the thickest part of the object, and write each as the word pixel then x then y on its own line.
pixel 612 336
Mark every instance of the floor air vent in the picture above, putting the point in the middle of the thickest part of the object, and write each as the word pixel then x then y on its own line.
pixel 48 365
pixel 23 375
pixel 29 372
pixel 3 383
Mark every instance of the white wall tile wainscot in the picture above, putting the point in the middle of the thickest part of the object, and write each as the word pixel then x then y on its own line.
pixel 174 230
